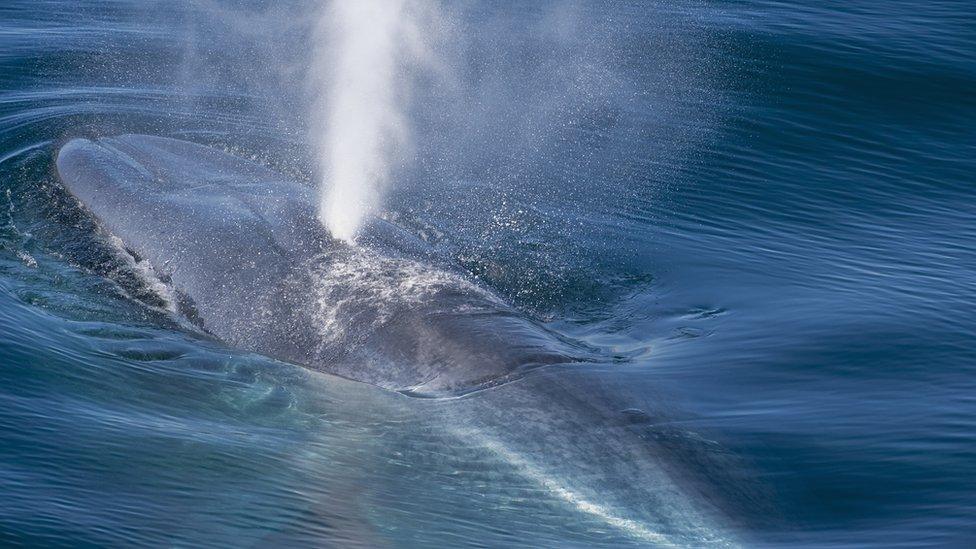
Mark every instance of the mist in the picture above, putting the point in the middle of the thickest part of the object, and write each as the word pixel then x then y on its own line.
pixel 477 117
pixel 368 56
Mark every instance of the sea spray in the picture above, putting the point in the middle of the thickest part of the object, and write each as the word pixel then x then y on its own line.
pixel 367 60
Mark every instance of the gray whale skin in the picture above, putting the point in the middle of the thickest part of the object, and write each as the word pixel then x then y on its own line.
pixel 243 249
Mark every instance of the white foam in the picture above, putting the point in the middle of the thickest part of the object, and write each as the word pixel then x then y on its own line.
pixel 146 273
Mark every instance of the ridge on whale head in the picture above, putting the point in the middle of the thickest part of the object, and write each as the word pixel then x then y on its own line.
pixel 251 264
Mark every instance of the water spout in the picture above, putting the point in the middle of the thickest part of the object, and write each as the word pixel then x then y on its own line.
pixel 364 64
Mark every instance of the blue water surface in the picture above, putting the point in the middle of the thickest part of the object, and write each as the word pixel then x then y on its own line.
pixel 766 210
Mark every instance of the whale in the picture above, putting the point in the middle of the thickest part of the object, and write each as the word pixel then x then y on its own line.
pixel 245 254
pixel 249 263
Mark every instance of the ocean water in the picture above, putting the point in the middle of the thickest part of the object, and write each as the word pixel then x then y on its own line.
pixel 764 210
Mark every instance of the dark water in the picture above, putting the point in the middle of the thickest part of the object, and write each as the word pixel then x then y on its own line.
pixel 768 208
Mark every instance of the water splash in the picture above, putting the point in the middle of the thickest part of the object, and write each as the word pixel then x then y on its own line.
pixel 368 56
pixel 357 290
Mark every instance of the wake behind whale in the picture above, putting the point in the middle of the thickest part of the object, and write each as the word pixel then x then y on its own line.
pixel 247 261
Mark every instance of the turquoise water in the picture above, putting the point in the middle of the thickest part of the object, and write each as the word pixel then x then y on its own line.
pixel 765 210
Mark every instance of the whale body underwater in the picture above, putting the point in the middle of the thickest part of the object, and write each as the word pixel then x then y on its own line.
pixel 249 262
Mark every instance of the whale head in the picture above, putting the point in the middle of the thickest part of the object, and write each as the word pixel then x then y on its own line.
pixel 243 247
